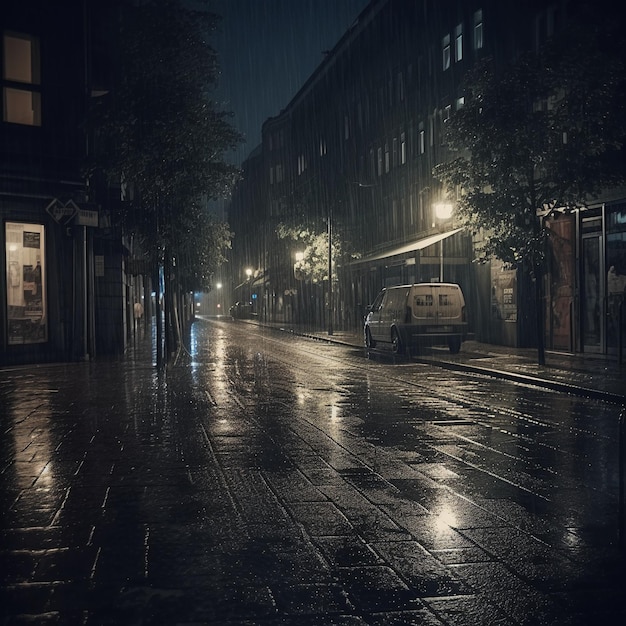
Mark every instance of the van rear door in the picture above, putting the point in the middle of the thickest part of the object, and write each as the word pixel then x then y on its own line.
pixel 436 305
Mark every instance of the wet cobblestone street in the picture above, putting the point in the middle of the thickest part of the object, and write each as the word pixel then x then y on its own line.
pixel 280 481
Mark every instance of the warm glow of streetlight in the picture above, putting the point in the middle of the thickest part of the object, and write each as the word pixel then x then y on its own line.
pixel 299 256
pixel 443 210
pixel 218 286
pixel 248 272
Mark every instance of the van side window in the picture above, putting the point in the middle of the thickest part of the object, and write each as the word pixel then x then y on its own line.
pixel 424 299
pixel 444 300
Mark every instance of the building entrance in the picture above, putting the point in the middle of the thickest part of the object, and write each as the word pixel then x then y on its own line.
pixel 593 296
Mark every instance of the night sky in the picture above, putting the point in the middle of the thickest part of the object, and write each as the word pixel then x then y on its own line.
pixel 267 49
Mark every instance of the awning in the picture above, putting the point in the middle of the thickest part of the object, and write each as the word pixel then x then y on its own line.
pixel 420 244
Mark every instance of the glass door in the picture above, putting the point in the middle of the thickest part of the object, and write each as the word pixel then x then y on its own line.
pixel 592 301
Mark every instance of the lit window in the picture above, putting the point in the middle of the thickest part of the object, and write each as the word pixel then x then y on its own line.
pixel 402 148
pixel 422 141
pixel 478 29
pixel 458 42
pixel 323 147
pixel 21 80
pixel 445 45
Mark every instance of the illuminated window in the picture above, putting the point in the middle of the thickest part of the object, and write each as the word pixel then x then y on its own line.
pixel 445 45
pixel 21 79
pixel 422 138
pixel 26 298
pixel 458 42
pixel 323 147
pixel 478 29
pixel 402 148
pixel 460 102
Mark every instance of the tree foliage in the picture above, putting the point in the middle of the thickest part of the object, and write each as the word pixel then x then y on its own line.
pixel 161 135
pixel 546 132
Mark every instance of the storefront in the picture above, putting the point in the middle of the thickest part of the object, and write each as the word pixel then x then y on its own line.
pixel 586 280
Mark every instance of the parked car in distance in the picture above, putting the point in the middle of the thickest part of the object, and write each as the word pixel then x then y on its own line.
pixel 241 311
pixel 406 317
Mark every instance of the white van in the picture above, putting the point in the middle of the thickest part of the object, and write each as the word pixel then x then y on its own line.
pixel 407 316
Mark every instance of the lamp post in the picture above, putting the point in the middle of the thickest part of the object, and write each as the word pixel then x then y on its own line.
pixel 248 277
pixel 218 286
pixel 443 212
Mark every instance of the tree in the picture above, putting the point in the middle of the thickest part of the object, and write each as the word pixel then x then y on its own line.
pixel 163 137
pixel 543 134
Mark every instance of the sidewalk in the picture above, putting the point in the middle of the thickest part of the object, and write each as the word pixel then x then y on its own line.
pixel 596 376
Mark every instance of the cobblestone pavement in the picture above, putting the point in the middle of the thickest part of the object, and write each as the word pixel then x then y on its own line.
pixel 137 496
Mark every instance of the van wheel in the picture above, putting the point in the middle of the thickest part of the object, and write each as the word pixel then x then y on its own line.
pixel 369 342
pixel 454 343
pixel 396 342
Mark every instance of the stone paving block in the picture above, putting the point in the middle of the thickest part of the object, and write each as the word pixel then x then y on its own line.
pixel 421 616
pixel 427 576
pixel 347 551
pixel 321 518
pixel 453 611
pixel 376 588
pixel 305 599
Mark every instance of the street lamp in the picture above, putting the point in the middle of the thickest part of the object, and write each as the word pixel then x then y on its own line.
pixel 443 212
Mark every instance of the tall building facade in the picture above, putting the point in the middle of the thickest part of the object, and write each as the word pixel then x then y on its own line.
pixel 66 288
pixel 352 155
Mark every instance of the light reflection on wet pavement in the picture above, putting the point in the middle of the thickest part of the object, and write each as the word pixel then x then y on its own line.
pixel 276 480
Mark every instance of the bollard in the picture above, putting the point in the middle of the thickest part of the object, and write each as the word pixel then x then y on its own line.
pixel 622 513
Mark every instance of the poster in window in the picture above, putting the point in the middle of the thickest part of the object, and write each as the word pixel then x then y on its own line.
pixel 26 283
pixel 503 292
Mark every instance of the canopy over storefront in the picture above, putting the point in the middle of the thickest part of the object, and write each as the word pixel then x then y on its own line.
pixel 420 244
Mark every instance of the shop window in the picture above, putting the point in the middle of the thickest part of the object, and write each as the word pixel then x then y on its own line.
pixel 21 79
pixel 26 283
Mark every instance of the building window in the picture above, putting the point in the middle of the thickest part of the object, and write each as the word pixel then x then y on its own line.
pixel 445 45
pixel 395 152
pixel 478 29
pixel 323 147
pixel 301 164
pixel 402 148
pixel 422 139
pixel 458 42
pixel 21 79
pixel 400 87
pixel 26 312
pixel 460 102
pixel 386 157
pixel 380 161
